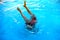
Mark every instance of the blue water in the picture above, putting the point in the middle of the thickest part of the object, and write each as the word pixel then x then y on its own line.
pixel 12 25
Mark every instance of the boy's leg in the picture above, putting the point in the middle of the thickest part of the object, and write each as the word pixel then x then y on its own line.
pixel 27 8
pixel 22 15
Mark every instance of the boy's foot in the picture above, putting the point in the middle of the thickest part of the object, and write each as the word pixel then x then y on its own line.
pixel 19 9
pixel 24 3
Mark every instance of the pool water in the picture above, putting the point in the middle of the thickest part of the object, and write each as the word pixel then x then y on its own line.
pixel 12 25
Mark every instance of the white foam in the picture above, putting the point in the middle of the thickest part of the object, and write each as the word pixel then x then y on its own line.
pixel 8 0
pixel 12 7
